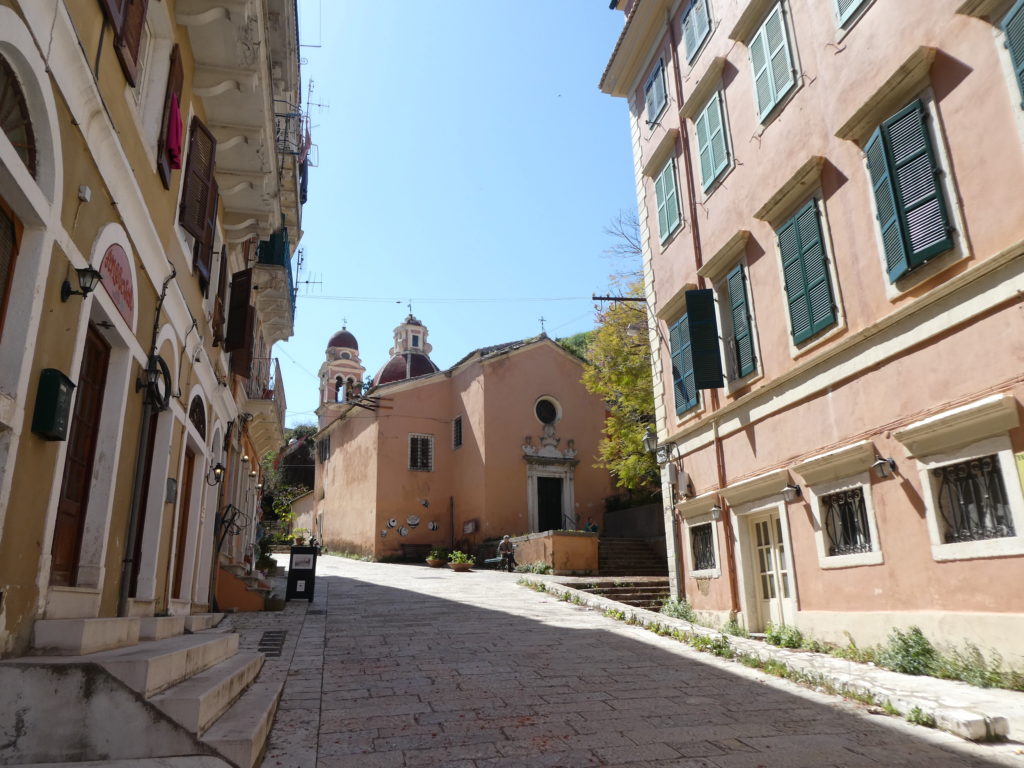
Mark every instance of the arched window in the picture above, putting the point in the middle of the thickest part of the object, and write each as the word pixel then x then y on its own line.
pixel 10 234
pixel 14 117
pixel 197 415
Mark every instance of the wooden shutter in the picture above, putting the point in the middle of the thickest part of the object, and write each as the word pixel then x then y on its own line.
pixel 203 251
pixel 820 304
pixel 739 313
pixel 711 143
pixel 696 25
pixel 1013 28
pixel 115 11
pixel 685 391
pixel 175 78
pixel 762 71
pixel 707 361
pixel 845 8
pixel 220 303
pixel 667 199
pixel 195 197
pixel 771 61
pixel 241 291
pixel 896 263
pixel 129 42
pixel 808 288
pixel 241 357
pixel 654 92
pixel 915 179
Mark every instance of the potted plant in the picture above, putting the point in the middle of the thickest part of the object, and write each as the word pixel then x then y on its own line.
pixel 299 534
pixel 437 557
pixel 460 561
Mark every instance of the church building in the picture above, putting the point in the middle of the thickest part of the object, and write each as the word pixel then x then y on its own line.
pixel 503 442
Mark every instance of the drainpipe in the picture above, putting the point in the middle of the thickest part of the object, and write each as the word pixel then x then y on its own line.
pixel 128 561
pixel 698 259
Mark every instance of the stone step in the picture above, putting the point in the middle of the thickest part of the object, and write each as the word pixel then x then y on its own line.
pixel 159 627
pixel 151 667
pixel 198 701
pixel 241 732
pixel 184 761
pixel 628 592
pixel 76 637
pixel 197 622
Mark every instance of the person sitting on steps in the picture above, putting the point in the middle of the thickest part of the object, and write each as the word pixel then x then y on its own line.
pixel 506 549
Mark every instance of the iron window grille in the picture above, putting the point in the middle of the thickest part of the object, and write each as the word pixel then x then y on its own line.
pixel 421 453
pixel 323 449
pixel 846 522
pixel 702 547
pixel 972 500
pixel 457 432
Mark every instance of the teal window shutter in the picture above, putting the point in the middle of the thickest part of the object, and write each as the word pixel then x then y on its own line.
pixel 908 193
pixel 696 25
pixel 808 288
pixel 707 362
pixel 846 8
pixel 739 313
pixel 682 366
pixel 711 142
pixel 772 62
pixel 1013 28
pixel 668 200
pixel 654 93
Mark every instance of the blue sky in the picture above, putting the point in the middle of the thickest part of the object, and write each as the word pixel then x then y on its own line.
pixel 466 161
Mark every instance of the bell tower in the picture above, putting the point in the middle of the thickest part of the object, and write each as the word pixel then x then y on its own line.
pixel 341 374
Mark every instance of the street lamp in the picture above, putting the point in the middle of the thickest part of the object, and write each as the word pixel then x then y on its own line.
pixel 88 279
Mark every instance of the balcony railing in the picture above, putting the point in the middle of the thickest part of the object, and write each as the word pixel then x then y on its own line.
pixel 265 383
pixel 277 252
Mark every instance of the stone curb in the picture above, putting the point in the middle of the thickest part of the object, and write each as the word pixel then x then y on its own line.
pixel 899 690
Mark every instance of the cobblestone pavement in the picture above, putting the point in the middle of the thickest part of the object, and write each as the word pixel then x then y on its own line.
pixel 400 665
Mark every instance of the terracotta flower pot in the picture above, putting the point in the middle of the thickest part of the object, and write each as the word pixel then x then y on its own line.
pixel 435 562
pixel 460 567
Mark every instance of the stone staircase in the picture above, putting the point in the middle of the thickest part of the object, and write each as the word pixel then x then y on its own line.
pixel 239 589
pixel 630 557
pixel 146 691
pixel 647 593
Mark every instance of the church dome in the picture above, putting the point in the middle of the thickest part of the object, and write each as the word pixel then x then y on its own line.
pixel 405 366
pixel 343 338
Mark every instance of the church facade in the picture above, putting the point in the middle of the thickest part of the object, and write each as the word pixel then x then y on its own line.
pixel 504 441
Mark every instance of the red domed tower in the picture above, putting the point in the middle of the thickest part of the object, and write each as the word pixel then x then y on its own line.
pixel 341 374
pixel 410 356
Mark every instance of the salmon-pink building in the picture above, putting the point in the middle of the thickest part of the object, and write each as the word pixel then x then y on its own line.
pixel 503 442
pixel 832 233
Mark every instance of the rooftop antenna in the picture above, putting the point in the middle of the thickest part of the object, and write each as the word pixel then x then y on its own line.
pixel 300 262
pixel 542 330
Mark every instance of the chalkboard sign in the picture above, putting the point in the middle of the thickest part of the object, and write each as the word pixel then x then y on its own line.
pixel 301 573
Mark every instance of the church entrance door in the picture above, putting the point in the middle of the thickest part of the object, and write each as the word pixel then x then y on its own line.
pixel 549 503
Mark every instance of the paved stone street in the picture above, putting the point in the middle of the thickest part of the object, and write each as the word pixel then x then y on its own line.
pixel 401 665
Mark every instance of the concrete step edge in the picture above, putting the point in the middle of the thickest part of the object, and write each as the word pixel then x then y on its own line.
pixel 241 733
pixel 78 637
pixel 154 666
pixel 197 702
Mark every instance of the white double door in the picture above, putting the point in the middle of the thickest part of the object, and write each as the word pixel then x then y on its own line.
pixel 769 568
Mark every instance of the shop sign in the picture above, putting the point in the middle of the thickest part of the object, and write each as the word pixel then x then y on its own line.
pixel 117 280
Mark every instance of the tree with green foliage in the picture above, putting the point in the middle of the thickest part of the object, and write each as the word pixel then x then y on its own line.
pixel 577 343
pixel 619 371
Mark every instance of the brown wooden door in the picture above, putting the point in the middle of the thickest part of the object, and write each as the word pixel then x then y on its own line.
pixel 185 489
pixel 74 490
pixel 140 528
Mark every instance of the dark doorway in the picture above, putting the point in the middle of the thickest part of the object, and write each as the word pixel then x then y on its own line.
pixel 549 503
pixel 140 529
pixel 185 492
pixel 74 489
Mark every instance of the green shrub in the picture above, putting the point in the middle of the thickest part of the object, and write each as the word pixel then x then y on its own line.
pixel 438 553
pixel 679 609
pixel 918 717
pixel 538 567
pixel 461 557
pixel 971 666
pixel 731 627
pixel 908 652
pixel 719 645
pixel 784 636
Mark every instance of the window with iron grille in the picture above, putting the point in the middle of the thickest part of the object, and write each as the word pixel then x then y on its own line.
pixel 702 547
pixel 846 522
pixel 14 116
pixel 972 500
pixel 421 453
pixel 10 235
pixel 457 432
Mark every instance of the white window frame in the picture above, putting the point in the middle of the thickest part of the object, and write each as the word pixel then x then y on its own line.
pixel 765 111
pixel 707 573
pixel 1003 547
pixel 716 99
pixel 655 111
pixel 815 493
pixel 664 232
pixel 430 442
pixel 847 17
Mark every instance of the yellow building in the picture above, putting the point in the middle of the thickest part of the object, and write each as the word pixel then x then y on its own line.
pixel 159 146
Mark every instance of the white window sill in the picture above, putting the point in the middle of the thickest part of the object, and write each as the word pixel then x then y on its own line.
pixel 710 573
pixel 851 561
pixel 969 550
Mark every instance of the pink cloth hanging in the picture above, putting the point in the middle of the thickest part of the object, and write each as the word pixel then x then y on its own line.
pixel 174 133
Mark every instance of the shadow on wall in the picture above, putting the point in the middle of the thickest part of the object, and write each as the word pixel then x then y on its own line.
pixel 589 696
